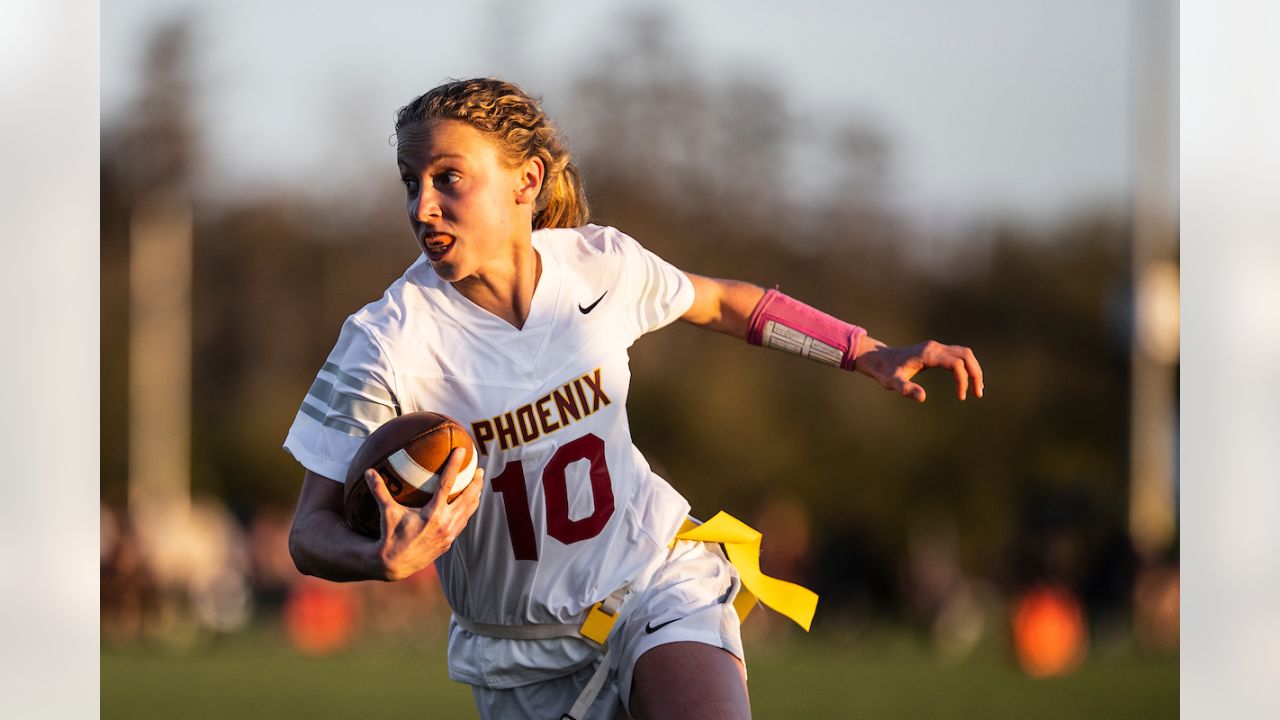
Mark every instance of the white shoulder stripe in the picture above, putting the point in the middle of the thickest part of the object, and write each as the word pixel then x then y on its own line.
pixel 334 422
pixel 371 389
pixel 353 406
pixel 642 306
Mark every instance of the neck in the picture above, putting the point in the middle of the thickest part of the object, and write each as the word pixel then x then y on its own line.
pixel 506 288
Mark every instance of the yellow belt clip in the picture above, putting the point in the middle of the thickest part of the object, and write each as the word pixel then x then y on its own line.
pixel 742 545
pixel 601 617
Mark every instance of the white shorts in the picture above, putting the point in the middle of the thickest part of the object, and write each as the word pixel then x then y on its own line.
pixel 689 598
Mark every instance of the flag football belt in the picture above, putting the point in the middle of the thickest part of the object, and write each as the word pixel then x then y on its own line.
pixel 741 544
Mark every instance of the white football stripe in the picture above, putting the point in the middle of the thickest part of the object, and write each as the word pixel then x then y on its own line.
pixel 422 478
pixel 465 475
pixel 410 471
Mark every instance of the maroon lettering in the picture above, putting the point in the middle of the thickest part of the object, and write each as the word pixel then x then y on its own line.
pixel 544 415
pixel 507 437
pixel 528 425
pixel 566 405
pixel 483 432
pixel 597 392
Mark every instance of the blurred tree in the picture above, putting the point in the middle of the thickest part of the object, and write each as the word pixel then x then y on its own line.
pixel 278 277
pixel 114 323
pixel 151 150
pixel 158 141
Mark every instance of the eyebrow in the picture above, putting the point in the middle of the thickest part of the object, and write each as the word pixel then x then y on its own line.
pixel 433 159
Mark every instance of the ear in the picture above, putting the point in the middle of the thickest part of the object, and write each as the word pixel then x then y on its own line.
pixel 529 181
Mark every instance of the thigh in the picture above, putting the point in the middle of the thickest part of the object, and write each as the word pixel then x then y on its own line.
pixel 684 615
pixel 689 680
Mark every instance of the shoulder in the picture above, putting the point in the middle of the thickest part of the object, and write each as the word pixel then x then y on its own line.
pixel 591 240
pixel 595 249
pixel 405 304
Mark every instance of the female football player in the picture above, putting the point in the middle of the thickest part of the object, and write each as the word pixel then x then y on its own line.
pixel 516 321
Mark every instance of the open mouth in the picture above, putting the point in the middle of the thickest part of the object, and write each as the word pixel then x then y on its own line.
pixel 437 246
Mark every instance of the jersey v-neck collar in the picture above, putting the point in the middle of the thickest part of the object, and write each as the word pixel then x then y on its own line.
pixel 524 345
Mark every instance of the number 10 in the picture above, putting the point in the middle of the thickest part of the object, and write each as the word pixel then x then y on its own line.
pixel 555 486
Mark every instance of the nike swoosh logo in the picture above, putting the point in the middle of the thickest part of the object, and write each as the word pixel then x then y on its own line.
pixel 592 306
pixel 651 628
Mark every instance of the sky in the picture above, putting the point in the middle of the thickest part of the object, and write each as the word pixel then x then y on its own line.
pixel 990 106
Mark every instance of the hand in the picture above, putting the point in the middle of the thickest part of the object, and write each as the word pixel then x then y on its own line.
pixel 893 368
pixel 413 538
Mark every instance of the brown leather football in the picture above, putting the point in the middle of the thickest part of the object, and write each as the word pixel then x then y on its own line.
pixel 409 452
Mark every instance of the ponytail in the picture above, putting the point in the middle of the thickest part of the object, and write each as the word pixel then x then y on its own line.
pixel 566 200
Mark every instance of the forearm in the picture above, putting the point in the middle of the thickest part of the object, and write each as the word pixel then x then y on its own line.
pixel 324 546
pixel 781 322
pixel 748 312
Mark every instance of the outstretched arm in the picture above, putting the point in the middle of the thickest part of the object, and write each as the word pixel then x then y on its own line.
pixel 744 310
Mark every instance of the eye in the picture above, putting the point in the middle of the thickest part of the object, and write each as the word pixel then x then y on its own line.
pixel 445 179
pixel 410 183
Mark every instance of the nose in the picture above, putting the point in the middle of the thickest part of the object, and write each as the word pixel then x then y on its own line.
pixel 427 206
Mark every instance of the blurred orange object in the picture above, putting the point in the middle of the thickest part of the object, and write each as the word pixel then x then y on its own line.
pixel 1049 634
pixel 320 617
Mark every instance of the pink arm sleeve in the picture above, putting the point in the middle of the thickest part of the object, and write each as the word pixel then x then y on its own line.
pixel 784 323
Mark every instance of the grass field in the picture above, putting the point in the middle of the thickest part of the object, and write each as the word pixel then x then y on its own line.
pixel 256 675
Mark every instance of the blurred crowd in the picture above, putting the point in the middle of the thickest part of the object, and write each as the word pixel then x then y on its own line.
pixel 222 574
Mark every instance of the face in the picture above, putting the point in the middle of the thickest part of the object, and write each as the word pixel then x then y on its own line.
pixel 468 207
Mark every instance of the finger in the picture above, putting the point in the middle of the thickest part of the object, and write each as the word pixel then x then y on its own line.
pixel 468 501
pixel 912 391
pixel 975 370
pixel 961 372
pixel 471 493
pixel 382 496
pixel 378 487
pixel 459 511
pixel 448 476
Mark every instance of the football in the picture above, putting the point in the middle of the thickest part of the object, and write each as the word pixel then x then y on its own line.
pixel 409 452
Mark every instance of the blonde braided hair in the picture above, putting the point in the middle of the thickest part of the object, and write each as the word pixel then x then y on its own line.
pixel 516 121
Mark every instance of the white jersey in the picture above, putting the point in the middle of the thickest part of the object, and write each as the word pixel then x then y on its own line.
pixel 571 511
